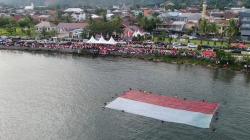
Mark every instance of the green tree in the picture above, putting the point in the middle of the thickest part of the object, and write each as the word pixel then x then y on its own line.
pixel 232 31
pixel 11 29
pixel 148 24
pixel 25 22
pixel 43 32
pixel 6 22
pixel 105 27
pixel 246 59
pixel 213 29
pixel 170 40
pixel 203 27
pixel 52 33
pixel 28 32
pixel 116 23
pixel 101 11
pixel 247 3
pixel 84 34
pixel 59 15
pixel 224 57
pixel 68 19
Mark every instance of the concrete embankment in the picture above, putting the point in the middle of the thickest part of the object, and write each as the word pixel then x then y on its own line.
pixel 85 51
pixel 55 50
pixel 148 57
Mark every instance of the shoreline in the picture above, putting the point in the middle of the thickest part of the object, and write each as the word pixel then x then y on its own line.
pixel 151 58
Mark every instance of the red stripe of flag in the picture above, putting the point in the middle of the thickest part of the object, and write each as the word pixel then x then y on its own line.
pixel 175 103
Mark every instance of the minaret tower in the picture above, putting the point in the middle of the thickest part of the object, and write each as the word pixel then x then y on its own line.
pixel 204 9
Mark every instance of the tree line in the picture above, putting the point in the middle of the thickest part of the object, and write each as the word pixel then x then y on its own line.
pixel 231 31
pixel 105 27
pixel 10 25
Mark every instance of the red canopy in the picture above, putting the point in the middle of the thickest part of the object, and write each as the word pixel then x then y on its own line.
pixel 208 54
pixel 241 46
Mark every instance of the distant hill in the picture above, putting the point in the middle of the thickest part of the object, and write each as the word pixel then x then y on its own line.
pixel 85 2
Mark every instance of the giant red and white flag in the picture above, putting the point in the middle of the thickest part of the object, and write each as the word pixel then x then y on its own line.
pixel 169 109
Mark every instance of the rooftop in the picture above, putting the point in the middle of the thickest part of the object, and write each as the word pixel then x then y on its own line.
pixel 74 10
pixel 45 24
pixel 71 26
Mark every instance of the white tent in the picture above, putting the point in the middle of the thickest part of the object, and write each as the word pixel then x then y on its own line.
pixel 140 33
pixel 102 41
pixel 137 33
pixel 92 40
pixel 112 41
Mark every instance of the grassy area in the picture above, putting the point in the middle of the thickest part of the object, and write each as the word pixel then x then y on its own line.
pixel 180 60
pixel 18 32
pixel 193 61
pixel 195 41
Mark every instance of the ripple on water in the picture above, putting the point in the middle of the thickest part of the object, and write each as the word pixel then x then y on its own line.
pixel 59 97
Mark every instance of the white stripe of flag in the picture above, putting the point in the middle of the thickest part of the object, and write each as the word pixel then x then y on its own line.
pixel 174 110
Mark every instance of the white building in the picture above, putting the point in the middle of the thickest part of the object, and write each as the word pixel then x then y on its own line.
pixel 109 15
pixel 79 17
pixel 31 7
pixel 77 33
pixel 72 30
pixel 73 10
pixel 237 9
pixel 116 7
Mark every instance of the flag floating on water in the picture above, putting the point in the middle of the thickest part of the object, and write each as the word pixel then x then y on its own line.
pixel 164 108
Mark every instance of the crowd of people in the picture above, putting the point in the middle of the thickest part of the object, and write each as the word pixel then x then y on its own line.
pixel 128 49
pixel 132 49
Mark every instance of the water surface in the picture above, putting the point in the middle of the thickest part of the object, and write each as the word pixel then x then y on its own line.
pixel 60 97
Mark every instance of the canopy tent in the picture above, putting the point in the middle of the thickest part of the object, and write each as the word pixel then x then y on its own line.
pixel 209 54
pixel 92 40
pixel 138 33
pixel 112 41
pixel 242 46
pixel 239 45
pixel 102 41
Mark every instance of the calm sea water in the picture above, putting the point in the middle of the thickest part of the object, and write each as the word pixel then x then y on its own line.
pixel 60 97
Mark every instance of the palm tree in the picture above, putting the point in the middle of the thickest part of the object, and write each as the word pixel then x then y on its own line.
pixel 170 40
pixel 232 31
pixel 213 28
pixel 203 27
pixel 201 42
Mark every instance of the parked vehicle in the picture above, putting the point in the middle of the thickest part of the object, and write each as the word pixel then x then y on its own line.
pixel 236 51
pixel 173 36
pixel 215 39
pixel 192 37
pixel 192 45
pixel 176 45
pixel 206 47
pixel 248 50
pixel 179 46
